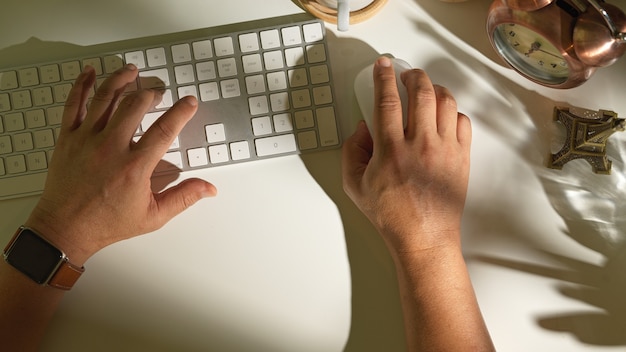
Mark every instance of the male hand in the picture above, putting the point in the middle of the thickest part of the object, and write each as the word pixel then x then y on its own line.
pixel 98 189
pixel 410 183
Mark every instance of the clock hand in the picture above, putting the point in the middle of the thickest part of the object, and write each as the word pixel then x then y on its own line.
pixel 549 53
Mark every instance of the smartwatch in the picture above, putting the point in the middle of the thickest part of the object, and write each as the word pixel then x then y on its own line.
pixel 40 260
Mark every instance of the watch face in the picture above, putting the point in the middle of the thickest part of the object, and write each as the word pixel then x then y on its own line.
pixel 34 256
pixel 531 53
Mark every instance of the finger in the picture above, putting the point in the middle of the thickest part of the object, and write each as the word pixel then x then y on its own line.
pixel 356 154
pixel 447 115
pixel 162 133
pixel 131 110
pixel 422 105
pixel 176 199
pixel 387 120
pixel 76 103
pixel 464 131
pixel 108 94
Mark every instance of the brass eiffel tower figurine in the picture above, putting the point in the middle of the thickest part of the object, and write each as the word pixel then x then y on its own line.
pixel 586 135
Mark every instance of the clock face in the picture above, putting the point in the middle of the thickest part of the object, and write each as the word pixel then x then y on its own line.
pixel 531 53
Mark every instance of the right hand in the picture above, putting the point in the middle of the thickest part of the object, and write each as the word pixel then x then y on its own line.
pixel 411 183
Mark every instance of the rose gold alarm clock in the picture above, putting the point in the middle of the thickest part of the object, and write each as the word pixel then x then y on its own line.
pixel 557 43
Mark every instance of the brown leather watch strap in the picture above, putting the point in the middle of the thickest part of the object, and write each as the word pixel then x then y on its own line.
pixel 66 276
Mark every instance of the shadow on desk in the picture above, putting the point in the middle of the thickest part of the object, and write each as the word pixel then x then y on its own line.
pixel 593 207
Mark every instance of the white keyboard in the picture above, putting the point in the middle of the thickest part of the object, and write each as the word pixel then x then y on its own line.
pixel 265 90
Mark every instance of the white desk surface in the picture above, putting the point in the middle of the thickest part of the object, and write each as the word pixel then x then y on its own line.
pixel 282 261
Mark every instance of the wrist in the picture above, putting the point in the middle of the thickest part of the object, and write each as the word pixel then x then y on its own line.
pixel 61 234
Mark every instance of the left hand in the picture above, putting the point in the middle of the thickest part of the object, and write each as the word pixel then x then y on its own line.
pixel 98 189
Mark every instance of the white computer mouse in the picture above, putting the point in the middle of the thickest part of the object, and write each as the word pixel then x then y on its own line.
pixel 364 90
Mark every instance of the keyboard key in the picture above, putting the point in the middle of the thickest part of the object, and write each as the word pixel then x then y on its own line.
pixel 313 32
pixel 276 81
pixel 54 115
pixel 36 161
pixel 209 91
pixel 279 101
pixel 281 144
pixel 113 63
pixel 202 49
pixel 187 91
pixel 42 96
pixel 8 80
pixel 294 57
pixel 43 139
pixel 171 161
pixel 206 70
pixel 70 70
pixel 5 104
pixel 158 78
pixel 28 77
pixel 215 133
pixel 291 36
pixel 50 74
pixel 218 153
pixel 258 105
pixel 301 98
pixel 35 118
pixel 252 63
pixel 240 150
pixel 298 77
pixel 94 62
pixel 166 100
pixel 15 164
pixel 327 126
pixel 270 39
pixel 282 123
pixel 224 46
pixel 3 171
pixel 61 92
pixel 249 42
pixel 21 99
pixel 24 185
pixel 227 67
pixel 307 140
pixel 136 58
pixel 6 146
pixel 319 74
pixel 261 126
pixel 156 57
pixel 230 88
pixel 273 60
pixel 14 122
pixel 316 53
pixel 322 95
pixel 181 53
pixel 197 157
pixel 184 74
pixel 304 119
pixel 23 142
pixel 255 84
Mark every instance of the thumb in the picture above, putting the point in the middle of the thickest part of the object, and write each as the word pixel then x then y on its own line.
pixel 176 199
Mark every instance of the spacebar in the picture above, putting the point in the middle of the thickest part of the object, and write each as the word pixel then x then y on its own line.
pixel 22 185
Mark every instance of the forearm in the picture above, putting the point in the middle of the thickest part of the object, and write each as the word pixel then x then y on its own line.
pixel 439 304
pixel 26 309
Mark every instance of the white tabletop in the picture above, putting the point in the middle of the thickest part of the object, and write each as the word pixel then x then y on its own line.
pixel 281 260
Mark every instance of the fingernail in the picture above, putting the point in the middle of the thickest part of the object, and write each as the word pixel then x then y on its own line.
pixel 191 100
pixel 130 67
pixel 88 69
pixel 383 61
